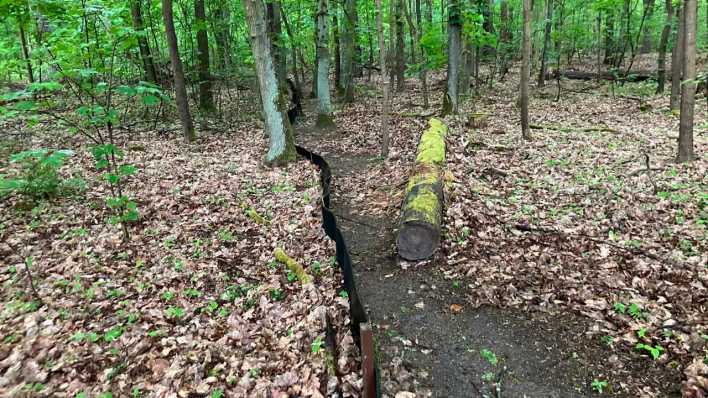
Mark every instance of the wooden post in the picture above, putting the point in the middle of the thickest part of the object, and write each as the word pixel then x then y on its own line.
pixel 367 361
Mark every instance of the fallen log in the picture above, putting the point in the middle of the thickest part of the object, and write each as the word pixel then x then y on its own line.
pixel 632 76
pixel 421 215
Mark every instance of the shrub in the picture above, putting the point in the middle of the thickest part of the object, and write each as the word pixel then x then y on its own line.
pixel 38 175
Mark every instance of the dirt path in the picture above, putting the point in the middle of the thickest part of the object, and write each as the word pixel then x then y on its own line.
pixel 431 343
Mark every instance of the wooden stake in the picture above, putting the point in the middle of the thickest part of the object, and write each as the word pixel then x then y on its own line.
pixel 367 360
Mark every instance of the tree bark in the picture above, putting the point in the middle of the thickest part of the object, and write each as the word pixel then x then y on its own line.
pixel 348 39
pixel 546 44
pixel 178 74
pixel 525 71
pixel 646 31
pixel 337 48
pixel 206 98
pixel 222 36
pixel 25 51
pixel 281 148
pixel 610 50
pixel 454 44
pixel 324 105
pixel 400 48
pixel 145 54
pixel 386 95
pixel 273 12
pixel 661 61
pixel 688 92
pixel 677 56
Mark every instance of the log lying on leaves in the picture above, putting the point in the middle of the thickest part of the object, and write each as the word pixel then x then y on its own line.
pixel 293 266
pixel 421 215
pixel 632 76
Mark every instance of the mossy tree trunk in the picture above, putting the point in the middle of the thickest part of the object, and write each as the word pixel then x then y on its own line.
pixel 282 148
pixel 206 99
pixel 421 215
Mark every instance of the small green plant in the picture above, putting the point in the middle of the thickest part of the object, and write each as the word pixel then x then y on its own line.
pixel 316 267
pixel 192 293
pixel 175 312
pixel 635 311
pixel 38 175
pixel 113 334
pixel 225 235
pixel 254 372
pixel 642 333
pixel 198 248
pixel 488 376
pixel 168 295
pixel 599 385
pixel 490 356
pixel 654 351
pixel 343 294
pixel 607 340
pixel 620 308
pixel 218 393
pixel 316 345
pixel 276 294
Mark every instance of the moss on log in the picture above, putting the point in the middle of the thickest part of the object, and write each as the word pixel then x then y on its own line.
pixel 293 266
pixel 421 215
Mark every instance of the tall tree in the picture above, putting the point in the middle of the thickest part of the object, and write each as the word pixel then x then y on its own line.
pixel 646 31
pixel 688 91
pixel 525 71
pixel 282 148
pixel 337 47
pixel 206 99
pixel 454 44
pixel 178 73
pixel 546 44
pixel 324 104
pixel 385 87
pixel 25 50
pixel 400 47
pixel 348 39
pixel 663 43
pixel 677 57
pixel 222 35
pixel 274 18
pixel 145 54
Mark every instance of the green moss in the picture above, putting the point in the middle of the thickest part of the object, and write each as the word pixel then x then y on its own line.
pixel 425 203
pixel 431 149
pixel 429 177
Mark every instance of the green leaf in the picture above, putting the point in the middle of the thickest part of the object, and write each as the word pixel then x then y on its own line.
pixel 113 334
pixel 25 105
pixel 150 100
pixel 126 170
pixel 112 178
pixel 126 90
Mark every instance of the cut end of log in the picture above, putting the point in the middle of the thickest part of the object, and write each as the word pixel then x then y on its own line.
pixel 417 240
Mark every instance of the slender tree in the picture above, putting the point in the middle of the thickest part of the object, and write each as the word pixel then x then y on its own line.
pixel 400 48
pixel 324 105
pixel 677 57
pixel 282 148
pixel 546 44
pixel 348 39
pixel 178 73
pixel 206 99
pixel 646 46
pixel 25 50
pixel 143 46
pixel 454 44
pixel 663 43
pixel 525 71
pixel 337 47
pixel 688 91
pixel 386 94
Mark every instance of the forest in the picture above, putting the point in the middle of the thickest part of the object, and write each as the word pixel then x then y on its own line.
pixel 353 198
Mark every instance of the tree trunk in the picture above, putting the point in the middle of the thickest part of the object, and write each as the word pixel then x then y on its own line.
pixel 386 96
pixel 487 7
pixel 273 12
pixel 222 36
pixel 688 92
pixel 400 48
pixel 25 51
pixel 505 34
pixel 337 48
pixel 348 39
pixel 423 58
pixel 525 71
pixel 145 54
pixel 646 31
pixel 665 32
pixel 282 148
pixel 178 73
pixel 421 215
pixel 324 105
pixel 610 50
pixel 454 39
pixel 206 99
pixel 546 44
pixel 677 56
pixel 313 93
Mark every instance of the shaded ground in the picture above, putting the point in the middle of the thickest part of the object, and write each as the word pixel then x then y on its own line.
pixel 433 342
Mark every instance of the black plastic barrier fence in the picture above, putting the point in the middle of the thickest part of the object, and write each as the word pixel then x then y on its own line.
pixel 357 314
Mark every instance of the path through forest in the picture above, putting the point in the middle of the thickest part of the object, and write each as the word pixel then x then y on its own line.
pixel 429 342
